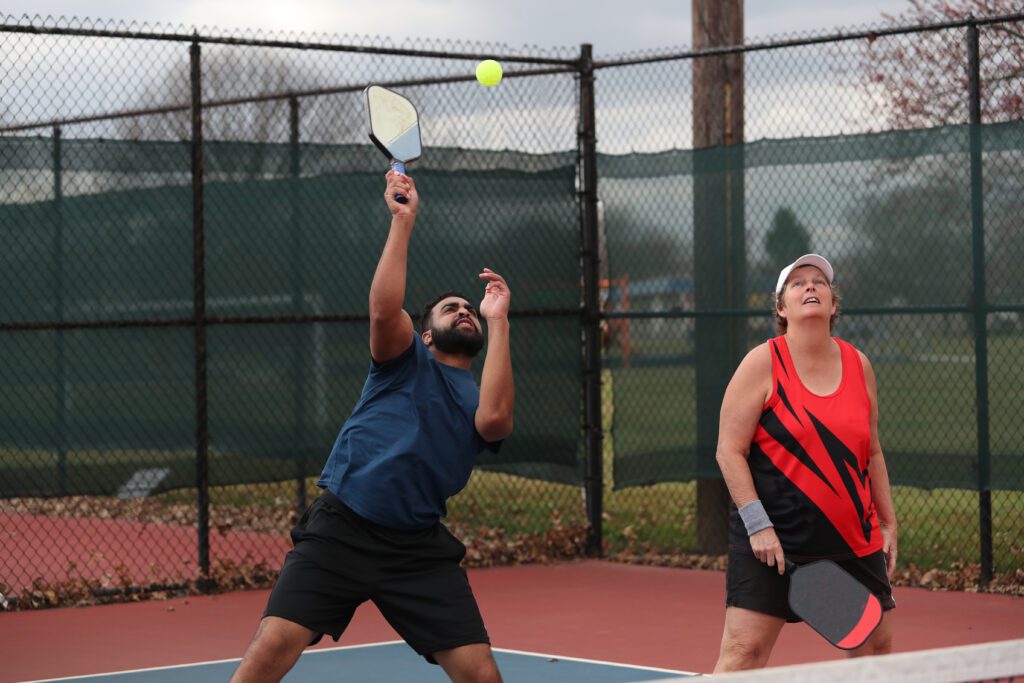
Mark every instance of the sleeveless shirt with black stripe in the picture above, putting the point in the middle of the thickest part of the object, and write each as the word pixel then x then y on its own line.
pixel 809 460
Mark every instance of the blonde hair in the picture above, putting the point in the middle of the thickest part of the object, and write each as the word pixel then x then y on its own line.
pixel 781 324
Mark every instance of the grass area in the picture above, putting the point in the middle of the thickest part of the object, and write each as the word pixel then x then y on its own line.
pixel 937 527
pixel 928 428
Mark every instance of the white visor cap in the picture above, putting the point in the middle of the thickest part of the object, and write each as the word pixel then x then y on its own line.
pixel 818 262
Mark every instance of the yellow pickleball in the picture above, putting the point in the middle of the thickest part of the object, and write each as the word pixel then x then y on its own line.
pixel 488 72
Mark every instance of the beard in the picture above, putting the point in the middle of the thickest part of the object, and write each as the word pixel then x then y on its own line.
pixel 458 341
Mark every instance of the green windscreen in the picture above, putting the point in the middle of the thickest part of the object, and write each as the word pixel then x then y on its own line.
pixel 109 406
pixel 695 244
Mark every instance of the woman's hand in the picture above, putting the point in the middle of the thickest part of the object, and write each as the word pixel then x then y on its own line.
pixel 766 547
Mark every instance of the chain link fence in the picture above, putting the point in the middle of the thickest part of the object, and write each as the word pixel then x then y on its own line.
pixel 192 224
pixel 862 148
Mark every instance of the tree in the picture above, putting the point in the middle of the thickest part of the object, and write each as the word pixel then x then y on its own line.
pixel 922 77
pixel 921 81
pixel 257 85
pixel 918 246
pixel 787 239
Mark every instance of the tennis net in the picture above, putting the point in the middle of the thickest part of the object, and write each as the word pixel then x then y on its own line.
pixel 998 662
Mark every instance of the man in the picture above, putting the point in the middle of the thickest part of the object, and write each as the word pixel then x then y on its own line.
pixel 409 444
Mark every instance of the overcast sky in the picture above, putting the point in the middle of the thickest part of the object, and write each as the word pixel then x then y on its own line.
pixel 612 27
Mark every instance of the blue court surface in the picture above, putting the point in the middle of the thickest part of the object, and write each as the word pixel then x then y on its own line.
pixel 396 662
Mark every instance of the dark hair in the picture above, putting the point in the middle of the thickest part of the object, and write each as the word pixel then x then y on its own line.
pixel 429 308
pixel 781 324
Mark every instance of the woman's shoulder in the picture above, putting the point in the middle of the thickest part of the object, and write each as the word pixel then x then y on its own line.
pixel 853 349
pixel 758 359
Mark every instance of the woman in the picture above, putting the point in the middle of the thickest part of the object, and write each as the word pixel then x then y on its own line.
pixel 798 448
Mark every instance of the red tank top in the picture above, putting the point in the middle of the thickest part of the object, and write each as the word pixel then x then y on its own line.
pixel 809 460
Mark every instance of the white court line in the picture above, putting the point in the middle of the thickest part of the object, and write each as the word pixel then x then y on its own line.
pixel 366 645
pixel 214 661
pixel 596 661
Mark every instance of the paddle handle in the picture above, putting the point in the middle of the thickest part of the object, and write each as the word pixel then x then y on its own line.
pixel 399 167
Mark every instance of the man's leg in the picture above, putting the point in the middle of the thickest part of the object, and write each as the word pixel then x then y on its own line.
pixel 747 640
pixel 469 664
pixel 424 593
pixel 273 651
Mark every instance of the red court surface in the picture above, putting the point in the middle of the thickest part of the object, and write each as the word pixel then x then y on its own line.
pixel 650 616
pixel 59 548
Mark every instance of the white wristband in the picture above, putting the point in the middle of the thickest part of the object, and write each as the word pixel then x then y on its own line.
pixel 754 517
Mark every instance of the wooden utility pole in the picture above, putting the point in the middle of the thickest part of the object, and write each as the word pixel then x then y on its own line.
pixel 719 244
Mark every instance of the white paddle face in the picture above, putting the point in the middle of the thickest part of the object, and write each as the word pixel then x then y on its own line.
pixel 394 128
pixel 394 124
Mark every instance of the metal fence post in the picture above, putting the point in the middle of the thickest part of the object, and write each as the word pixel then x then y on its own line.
pixel 58 299
pixel 980 304
pixel 297 285
pixel 590 263
pixel 199 320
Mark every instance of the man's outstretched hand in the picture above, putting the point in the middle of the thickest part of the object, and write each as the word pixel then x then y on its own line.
pixel 496 296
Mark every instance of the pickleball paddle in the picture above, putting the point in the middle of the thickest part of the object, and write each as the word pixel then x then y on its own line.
pixel 394 128
pixel 833 603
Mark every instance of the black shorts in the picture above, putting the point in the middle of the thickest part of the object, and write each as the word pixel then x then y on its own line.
pixel 341 560
pixel 752 584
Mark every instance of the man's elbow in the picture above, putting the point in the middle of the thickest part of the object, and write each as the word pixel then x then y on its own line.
pixel 495 427
pixel 379 312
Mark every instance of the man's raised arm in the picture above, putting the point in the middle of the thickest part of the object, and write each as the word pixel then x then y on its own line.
pixel 391 327
pixel 497 389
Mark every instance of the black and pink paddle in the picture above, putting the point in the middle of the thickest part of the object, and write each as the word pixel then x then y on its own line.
pixel 833 603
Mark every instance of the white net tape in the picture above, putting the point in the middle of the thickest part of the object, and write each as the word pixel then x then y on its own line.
pixel 1000 661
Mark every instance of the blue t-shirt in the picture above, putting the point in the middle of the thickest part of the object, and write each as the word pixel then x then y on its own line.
pixel 410 442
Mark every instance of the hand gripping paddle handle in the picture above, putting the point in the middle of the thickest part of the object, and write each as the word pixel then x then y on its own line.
pixel 399 167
